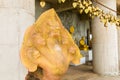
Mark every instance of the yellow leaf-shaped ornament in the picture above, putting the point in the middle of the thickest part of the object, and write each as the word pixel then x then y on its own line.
pixel 81 11
pixel 103 20
pixel 72 29
pixel 81 6
pixel 89 2
pixel 105 24
pixel 42 4
pixel 63 1
pixel 86 11
pixel 90 15
pixel 96 13
pixel 74 4
pixel 113 19
pixel 93 8
pixel 90 8
pixel 117 23
pixel 84 2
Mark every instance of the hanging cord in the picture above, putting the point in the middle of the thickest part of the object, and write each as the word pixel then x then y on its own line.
pixel 106 6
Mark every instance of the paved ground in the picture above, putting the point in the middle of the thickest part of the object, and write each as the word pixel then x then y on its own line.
pixel 84 72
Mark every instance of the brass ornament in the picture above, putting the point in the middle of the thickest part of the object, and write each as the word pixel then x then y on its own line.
pixel 42 3
pixel 74 4
pixel 61 1
pixel 87 7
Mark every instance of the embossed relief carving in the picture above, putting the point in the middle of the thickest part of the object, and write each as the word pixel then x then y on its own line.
pixel 49 46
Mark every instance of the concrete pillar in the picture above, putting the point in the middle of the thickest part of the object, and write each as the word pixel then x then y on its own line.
pixel 119 44
pixel 105 44
pixel 15 17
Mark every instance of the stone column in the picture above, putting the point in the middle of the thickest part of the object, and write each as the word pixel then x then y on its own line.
pixel 105 44
pixel 118 9
pixel 119 44
pixel 15 17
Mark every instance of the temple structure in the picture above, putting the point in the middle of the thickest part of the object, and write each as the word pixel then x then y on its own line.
pixel 17 15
